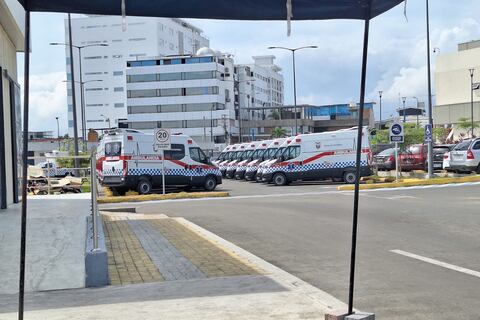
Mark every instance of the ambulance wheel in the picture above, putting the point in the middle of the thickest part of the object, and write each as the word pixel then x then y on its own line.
pixel 210 183
pixel 144 186
pixel 349 177
pixel 279 179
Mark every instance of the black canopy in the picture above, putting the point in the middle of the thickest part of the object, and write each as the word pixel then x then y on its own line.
pixel 221 9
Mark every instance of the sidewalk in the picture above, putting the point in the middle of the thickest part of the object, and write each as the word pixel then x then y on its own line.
pixel 56 227
pixel 169 268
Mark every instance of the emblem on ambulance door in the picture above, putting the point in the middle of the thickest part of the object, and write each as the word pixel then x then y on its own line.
pixel 318 145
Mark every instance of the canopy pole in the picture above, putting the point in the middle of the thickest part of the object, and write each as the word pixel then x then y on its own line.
pixel 23 236
pixel 358 163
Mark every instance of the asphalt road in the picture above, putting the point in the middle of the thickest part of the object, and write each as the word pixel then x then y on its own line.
pixel 306 229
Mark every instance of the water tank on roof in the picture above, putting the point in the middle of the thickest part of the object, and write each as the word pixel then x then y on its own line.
pixel 205 51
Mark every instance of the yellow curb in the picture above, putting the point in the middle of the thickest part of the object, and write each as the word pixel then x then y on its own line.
pixel 412 183
pixel 169 196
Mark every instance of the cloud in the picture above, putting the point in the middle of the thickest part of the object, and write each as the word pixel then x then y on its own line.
pixel 48 99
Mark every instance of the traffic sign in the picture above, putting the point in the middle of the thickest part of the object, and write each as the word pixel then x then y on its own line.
pixel 428 133
pixel 397 133
pixel 161 140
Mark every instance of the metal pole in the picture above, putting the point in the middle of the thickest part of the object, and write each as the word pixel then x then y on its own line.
pixel 471 100
pixel 82 96
pixel 430 110
pixel 240 123
pixel 404 113
pixel 211 124
pixel 295 92
pixel 94 192
pixel 23 232
pixel 163 171
pixel 358 162
pixel 74 102
pixel 380 94
pixel 396 161
pixel 58 132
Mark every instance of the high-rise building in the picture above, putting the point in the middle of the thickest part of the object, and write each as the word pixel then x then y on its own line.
pixel 202 95
pixel 110 44
pixel 189 94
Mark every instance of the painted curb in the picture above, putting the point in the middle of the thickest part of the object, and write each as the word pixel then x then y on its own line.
pixel 156 197
pixel 437 181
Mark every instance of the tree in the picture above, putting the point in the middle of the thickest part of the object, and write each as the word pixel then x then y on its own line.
pixel 279 133
pixel 466 124
pixel 274 115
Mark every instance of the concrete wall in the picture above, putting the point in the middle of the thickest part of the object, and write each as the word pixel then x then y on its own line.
pixel 10 42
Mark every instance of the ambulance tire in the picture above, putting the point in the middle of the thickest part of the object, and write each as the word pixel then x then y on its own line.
pixel 144 186
pixel 210 183
pixel 349 177
pixel 279 179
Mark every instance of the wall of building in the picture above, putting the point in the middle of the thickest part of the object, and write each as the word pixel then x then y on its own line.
pixel 452 82
pixel 143 37
pixel 11 37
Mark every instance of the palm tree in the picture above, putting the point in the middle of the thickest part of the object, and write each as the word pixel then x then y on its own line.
pixel 274 115
pixel 279 133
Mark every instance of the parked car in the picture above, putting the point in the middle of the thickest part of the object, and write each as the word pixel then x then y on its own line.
pixel 414 158
pixel 439 152
pixel 465 157
pixel 385 160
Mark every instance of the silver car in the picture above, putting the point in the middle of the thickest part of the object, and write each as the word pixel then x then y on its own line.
pixel 465 157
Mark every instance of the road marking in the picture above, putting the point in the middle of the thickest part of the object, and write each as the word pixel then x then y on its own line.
pixel 438 263
pixel 464 184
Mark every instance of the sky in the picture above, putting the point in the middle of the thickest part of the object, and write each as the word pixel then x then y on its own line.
pixel 329 74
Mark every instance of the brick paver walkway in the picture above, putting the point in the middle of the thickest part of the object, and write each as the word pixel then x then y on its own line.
pixel 144 248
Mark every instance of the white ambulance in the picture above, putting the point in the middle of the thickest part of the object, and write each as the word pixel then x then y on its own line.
pixel 243 151
pixel 223 155
pixel 254 158
pixel 275 154
pixel 228 157
pixel 265 151
pixel 251 152
pixel 128 161
pixel 320 156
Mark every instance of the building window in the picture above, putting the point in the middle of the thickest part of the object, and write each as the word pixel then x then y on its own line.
pixel 199 75
pixel 116 40
pixel 118 89
pixel 70 123
pixel 143 109
pixel 94 105
pixel 143 125
pixel 93 57
pixel 141 78
pixel 93 89
pixel 170 76
pixel 92 73
pixel 118 73
pixel 68 60
pixel 148 93
pixel 170 108
pixel 171 92
pixel 69 92
pixel 119 105
pixel 94 121
pixel 170 124
pixel 70 108
pixel 201 91
pixel 137 39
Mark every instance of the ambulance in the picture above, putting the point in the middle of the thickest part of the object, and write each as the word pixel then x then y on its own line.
pixel 265 151
pixel 256 155
pixel 128 161
pixel 223 155
pixel 238 170
pixel 240 155
pixel 320 156
pixel 228 157
pixel 274 155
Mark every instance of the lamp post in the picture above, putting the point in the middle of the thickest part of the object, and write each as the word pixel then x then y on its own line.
pixel 294 80
pixel 404 99
pixel 84 132
pixel 430 110
pixel 82 100
pixel 417 109
pixel 472 71
pixel 58 132
pixel 380 94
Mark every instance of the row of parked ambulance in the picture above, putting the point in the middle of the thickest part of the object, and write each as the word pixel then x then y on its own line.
pixel 306 157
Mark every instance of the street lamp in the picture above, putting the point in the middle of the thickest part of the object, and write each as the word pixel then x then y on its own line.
pixel 380 94
pixel 82 100
pixel 58 132
pixel 81 75
pixel 417 109
pixel 404 114
pixel 429 81
pixel 472 71
pixel 106 119
pixel 294 80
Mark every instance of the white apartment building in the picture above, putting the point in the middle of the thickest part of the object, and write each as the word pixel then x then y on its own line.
pixel 189 94
pixel 110 45
pixel 453 84
pixel 260 89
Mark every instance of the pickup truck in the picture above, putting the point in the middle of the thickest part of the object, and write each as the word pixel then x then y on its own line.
pixel 51 169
